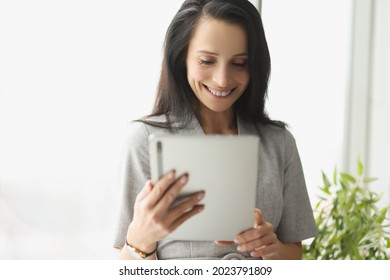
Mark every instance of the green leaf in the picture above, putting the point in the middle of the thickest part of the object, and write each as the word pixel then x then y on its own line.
pixel 327 183
pixel 384 211
pixel 344 184
pixel 369 180
pixel 335 175
pixel 317 205
pixel 348 177
pixel 350 224
pixel 382 216
pixel 325 190
pixel 322 198
pixel 360 167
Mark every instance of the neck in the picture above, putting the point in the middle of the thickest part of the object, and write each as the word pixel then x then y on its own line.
pixel 218 122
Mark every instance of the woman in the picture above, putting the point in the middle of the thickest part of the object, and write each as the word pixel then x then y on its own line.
pixel 214 81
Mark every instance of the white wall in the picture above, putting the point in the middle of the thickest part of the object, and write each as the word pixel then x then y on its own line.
pixel 379 134
pixel 72 75
pixel 309 43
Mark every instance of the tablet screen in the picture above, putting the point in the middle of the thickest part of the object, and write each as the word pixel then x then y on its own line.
pixel 225 167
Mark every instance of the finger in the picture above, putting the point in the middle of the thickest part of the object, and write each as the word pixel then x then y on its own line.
pixel 259 218
pixel 257 243
pixel 248 236
pixel 223 243
pixel 254 233
pixel 145 191
pixel 194 211
pixel 185 206
pixel 160 187
pixel 265 251
pixel 171 194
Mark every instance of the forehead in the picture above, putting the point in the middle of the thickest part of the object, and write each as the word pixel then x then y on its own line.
pixel 219 36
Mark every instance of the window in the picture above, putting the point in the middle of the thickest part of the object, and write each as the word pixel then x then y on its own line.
pixel 309 43
pixel 72 75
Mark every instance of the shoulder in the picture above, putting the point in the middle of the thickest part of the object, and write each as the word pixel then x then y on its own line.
pixel 277 142
pixel 138 131
pixel 142 128
pixel 135 151
pixel 279 136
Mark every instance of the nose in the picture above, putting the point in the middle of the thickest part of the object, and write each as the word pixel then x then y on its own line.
pixel 221 76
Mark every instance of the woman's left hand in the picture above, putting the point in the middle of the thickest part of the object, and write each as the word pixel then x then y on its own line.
pixel 261 240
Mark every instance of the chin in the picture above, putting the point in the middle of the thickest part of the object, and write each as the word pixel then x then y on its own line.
pixel 219 109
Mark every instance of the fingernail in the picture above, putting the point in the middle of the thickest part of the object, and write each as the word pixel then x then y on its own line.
pixel 200 196
pixel 184 179
pixel 171 174
pixel 239 248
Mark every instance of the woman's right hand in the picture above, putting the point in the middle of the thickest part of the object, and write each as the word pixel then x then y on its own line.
pixel 154 218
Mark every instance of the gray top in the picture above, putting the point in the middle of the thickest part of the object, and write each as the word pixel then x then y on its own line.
pixel 281 191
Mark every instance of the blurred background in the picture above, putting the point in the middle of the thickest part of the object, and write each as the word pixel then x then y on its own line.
pixel 74 73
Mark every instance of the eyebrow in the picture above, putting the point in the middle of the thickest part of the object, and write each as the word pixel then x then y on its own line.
pixel 213 53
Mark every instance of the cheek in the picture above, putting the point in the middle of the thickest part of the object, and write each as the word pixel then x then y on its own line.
pixel 197 74
pixel 243 78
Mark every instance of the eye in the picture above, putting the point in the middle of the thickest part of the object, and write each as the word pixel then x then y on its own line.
pixel 240 64
pixel 205 62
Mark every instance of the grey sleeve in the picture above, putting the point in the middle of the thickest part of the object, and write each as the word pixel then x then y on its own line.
pixel 134 174
pixel 297 222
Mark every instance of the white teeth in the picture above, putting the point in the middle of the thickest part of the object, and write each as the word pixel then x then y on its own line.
pixel 219 93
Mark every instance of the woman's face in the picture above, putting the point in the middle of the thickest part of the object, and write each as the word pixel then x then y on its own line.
pixel 217 63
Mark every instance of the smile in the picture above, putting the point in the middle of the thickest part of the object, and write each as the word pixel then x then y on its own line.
pixel 218 93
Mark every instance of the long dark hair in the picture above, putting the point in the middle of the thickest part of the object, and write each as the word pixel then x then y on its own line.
pixel 174 95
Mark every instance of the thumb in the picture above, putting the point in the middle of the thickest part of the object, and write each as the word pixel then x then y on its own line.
pixel 259 218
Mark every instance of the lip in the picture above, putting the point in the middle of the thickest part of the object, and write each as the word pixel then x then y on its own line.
pixel 219 97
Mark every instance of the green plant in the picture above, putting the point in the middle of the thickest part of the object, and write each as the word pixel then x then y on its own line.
pixel 349 222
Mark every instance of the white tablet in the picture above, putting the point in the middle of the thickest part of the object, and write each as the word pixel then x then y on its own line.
pixel 225 167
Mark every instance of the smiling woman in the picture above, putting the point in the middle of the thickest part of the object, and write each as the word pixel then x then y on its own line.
pixel 217 64
pixel 214 80
pixel 217 68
